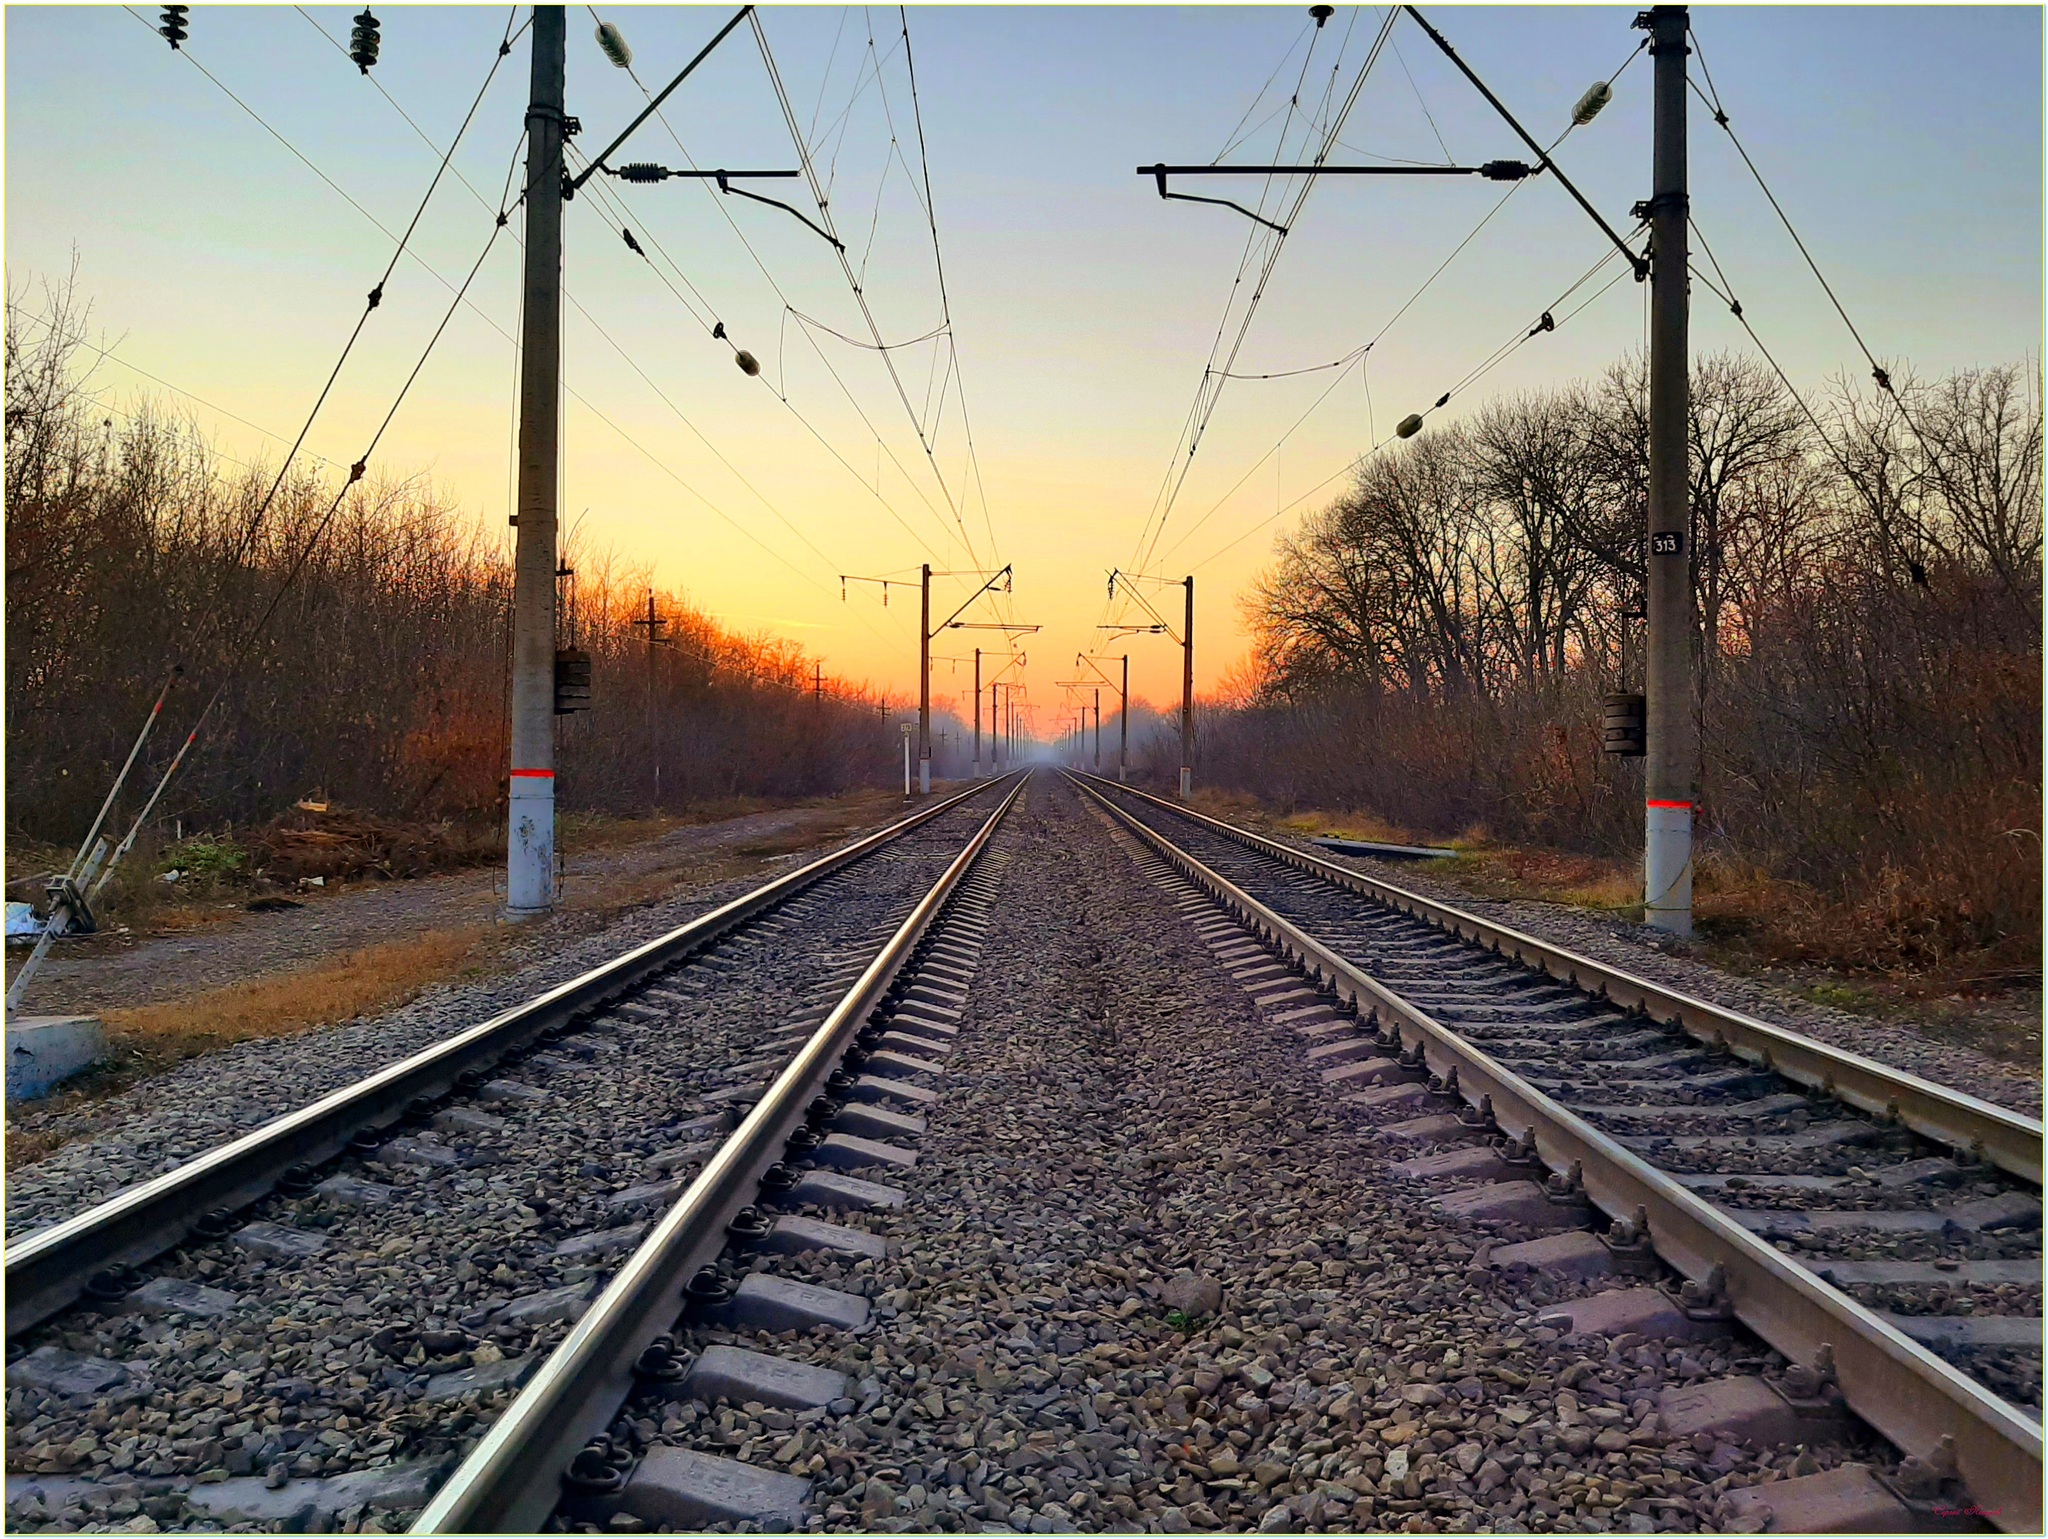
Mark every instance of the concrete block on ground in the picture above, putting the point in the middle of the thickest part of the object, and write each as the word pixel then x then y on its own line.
pixel 877 1122
pixel 918 1026
pixel 1649 1312
pixel 546 1307
pixel 511 1090
pixel 1341 1050
pixel 1435 1128
pixel 889 1062
pixel 873 1087
pixel 279 1241
pixel 601 1242
pixel 45 1050
pixel 1507 1202
pixel 844 1151
pixel 464 1119
pixel 1742 1409
pixel 1363 1071
pixel 1281 1001
pixel 412 1151
pixel 824 1189
pixel 1846 1500
pixel 1405 1095
pixel 1306 1015
pixel 682 1154
pixel 686 1491
pixel 765 1302
pixel 252 1499
pixel 175 1296
pixel 655 1194
pixel 740 1376
pixel 792 1233
pixel 506 1373
pixel 1325 1025
pixel 1958 1332
pixel 352 1191
pixel 76 1376
pixel 1480 1162
pixel 918 1046
pixel 1571 1254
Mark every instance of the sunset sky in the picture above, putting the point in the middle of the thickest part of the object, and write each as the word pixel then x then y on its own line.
pixel 1905 142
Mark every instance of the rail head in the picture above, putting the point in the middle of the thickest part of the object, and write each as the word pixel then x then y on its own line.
pixel 1892 1382
pixel 46 1270
pixel 1974 1127
pixel 510 1482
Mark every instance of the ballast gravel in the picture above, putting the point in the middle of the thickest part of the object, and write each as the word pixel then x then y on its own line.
pixel 1151 1277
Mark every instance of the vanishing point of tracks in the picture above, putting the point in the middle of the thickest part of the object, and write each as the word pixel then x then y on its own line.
pixel 488 1268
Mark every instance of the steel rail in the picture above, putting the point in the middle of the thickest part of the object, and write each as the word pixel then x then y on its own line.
pixel 1976 1128
pixel 511 1480
pixel 47 1269
pixel 1900 1388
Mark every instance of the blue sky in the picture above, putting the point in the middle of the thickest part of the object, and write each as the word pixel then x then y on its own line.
pixel 1905 141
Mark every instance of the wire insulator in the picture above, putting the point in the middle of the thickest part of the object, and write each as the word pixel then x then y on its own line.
pixel 749 364
pixel 1598 95
pixel 173 28
pixel 1322 13
pixel 364 40
pixel 632 245
pixel 1505 170
pixel 641 171
pixel 613 43
pixel 1410 425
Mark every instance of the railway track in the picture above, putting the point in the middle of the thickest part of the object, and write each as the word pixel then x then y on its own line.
pixel 322 1317
pixel 558 1295
pixel 1879 1231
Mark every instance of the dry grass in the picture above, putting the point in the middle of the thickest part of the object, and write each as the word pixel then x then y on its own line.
pixel 341 988
pixel 149 1039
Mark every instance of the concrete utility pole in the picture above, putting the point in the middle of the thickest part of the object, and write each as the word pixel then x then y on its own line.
pixel 1187 697
pixel 1672 737
pixel 924 686
pixel 653 622
pixel 530 842
pixel 1123 746
pixel 1098 731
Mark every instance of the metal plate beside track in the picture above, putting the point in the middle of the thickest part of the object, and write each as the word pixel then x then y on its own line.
pixel 1904 1391
pixel 47 1269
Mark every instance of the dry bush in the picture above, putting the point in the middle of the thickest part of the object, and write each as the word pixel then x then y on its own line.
pixel 1434 645
pixel 382 674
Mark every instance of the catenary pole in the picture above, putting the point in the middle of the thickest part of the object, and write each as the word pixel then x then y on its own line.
pixel 1123 746
pixel 1187 697
pixel 1672 744
pixel 530 843
pixel 924 687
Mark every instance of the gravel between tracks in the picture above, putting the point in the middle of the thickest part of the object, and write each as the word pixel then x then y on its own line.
pixel 1118 1133
pixel 1647 953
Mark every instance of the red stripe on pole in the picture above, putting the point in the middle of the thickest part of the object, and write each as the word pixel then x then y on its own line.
pixel 537 774
pixel 1686 805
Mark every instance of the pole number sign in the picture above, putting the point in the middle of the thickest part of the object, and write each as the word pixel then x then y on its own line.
pixel 1668 543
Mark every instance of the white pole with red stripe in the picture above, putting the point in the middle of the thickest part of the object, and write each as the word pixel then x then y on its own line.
pixel 530 835
pixel 1673 739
